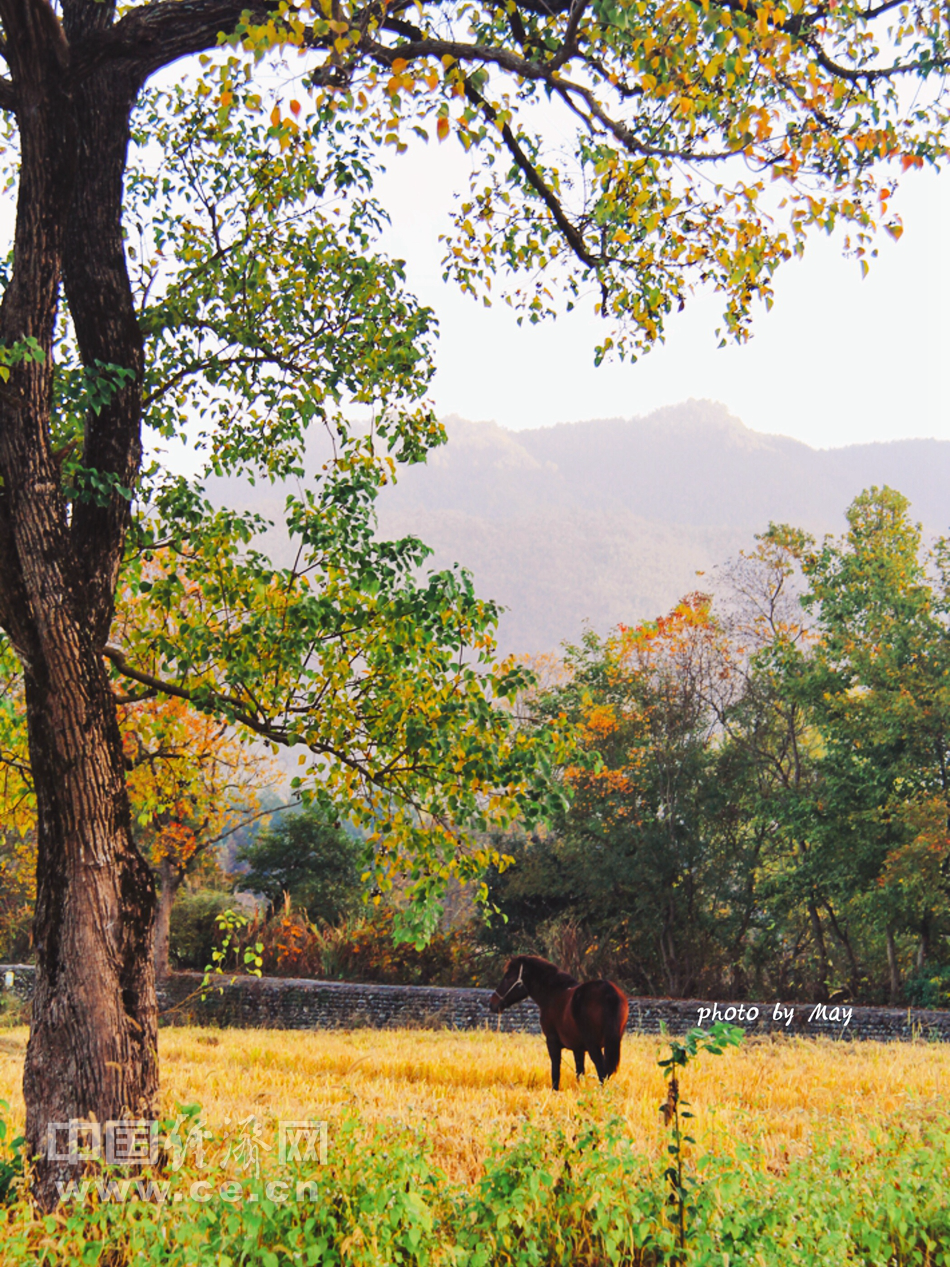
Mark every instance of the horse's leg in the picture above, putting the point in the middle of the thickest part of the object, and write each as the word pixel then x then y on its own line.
pixel 579 1055
pixel 612 1054
pixel 554 1051
pixel 597 1056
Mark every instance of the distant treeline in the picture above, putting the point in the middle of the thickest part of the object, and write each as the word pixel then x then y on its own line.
pixel 760 803
pixel 761 808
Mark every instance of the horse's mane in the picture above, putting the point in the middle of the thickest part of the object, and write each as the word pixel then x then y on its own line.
pixel 547 972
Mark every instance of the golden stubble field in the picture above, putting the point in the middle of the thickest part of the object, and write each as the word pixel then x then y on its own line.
pixel 782 1097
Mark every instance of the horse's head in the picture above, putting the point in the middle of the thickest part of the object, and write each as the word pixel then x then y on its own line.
pixel 512 988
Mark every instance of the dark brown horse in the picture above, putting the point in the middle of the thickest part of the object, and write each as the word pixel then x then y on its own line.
pixel 584 1018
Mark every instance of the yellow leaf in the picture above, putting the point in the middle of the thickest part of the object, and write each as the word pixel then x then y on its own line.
pixel 442 129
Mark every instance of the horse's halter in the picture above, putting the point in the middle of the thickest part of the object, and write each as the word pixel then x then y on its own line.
pixel 512 986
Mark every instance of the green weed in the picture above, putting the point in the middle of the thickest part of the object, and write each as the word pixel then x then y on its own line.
pixel 549 1196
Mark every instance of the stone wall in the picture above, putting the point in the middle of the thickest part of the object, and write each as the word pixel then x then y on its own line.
pixel 286 1003
pixel 17 978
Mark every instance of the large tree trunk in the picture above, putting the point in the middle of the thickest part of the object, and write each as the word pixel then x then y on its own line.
pixel 92 1050
pixel 72 85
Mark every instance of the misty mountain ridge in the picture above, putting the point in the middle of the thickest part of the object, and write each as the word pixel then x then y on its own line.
pixel 610 520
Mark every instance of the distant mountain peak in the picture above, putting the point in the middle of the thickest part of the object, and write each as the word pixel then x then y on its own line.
pixel 609 519
pixel 485 441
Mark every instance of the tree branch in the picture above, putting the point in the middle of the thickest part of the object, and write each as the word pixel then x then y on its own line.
pixel 871 74
pixel 235 712
pixel 571 234
pixel 233 707
pixel 569 46
pixel 215 840
pixel 155 35
pixel 102 307
pixel 484 54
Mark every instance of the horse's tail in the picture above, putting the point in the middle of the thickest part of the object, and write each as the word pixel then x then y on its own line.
pixel 615 1021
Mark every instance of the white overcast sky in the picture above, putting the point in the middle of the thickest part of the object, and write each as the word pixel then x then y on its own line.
pixel 838 359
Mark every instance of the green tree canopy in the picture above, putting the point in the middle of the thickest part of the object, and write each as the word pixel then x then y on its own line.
pixel 877 687
pixel 309 857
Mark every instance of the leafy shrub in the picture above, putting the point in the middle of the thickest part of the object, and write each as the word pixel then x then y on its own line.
pixel 193 933
pixel 361 949
pixel 13 1010
pixel 547 1198
pixel 17 895
pixel 929 988
pixel 11 1158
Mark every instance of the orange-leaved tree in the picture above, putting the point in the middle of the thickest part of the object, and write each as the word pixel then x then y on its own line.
pixel 190 779
pixel 192 782
pixel 635 838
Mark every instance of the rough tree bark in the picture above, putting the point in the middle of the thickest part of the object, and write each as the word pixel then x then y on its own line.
pixel 93 1039
pixel 72 85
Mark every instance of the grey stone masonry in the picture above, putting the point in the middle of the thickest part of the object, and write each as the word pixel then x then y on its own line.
pixel 288 1003
pixel 18 979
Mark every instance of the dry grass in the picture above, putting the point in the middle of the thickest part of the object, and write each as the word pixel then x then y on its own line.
pixel 778 1096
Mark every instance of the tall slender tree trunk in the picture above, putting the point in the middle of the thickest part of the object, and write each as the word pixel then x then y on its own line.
pixel 923 945
pixel 170 878
pixel 818 932
pixel 668 953
pixel 893 967
pixel 841 933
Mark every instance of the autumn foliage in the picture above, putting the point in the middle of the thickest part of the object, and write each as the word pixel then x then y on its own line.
pixel 764 801
pixel 190 780
pixel 362 948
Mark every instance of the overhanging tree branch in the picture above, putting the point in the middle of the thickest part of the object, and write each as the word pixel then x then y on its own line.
pixel 571 233
pixel 233 707
pixel 153 36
